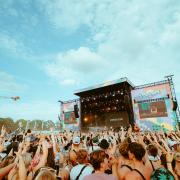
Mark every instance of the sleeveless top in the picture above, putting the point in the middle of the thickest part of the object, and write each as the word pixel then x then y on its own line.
pixel 139 173
pixel 125 165
pixel 152 165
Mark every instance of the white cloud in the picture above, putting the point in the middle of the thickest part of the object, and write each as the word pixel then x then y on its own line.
pixel 171 36
pixel 9 84
pixel 14 47
pixel 138 39
pixel 74 66
pixel 68 14
pixel 68 82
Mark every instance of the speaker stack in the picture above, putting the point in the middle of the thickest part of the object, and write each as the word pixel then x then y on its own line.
pixel 76 111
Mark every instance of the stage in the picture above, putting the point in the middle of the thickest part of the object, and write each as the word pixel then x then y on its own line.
pixel 106 105
pixel 119 103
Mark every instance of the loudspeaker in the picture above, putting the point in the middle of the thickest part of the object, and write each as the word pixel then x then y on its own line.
pixel 174 105
pixel 76 113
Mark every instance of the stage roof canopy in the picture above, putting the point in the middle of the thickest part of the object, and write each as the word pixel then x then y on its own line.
pixel 105 85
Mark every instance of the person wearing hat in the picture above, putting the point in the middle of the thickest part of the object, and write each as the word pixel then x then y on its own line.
pixel 74 149
pixel 108 146
pixel 104 145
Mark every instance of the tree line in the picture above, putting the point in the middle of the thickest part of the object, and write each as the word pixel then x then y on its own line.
pixel 36 124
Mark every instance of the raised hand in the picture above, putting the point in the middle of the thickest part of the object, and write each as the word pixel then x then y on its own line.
pixel 130 130
pixel 113 160
pixel 1 148
pixel 3 131
pixel 169 156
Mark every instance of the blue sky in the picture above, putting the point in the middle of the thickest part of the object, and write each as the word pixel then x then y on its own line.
pixel 49 49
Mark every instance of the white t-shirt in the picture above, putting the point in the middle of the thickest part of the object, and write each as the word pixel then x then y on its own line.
pixel 76 170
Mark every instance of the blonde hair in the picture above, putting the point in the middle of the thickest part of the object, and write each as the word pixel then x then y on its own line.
pixel 46 175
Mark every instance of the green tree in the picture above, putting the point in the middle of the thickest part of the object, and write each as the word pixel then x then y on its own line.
pixel 23 122
pixel 8 123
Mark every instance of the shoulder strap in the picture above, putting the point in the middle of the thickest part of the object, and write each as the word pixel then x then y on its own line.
pixel 139 173
pixel 129 167
pixel 74 151
pixel 152 165
pixel 81 172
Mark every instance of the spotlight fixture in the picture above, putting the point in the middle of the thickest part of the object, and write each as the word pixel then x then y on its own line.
pixel 85 119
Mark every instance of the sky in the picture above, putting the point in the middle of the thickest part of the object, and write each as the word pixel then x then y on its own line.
pixel 51 48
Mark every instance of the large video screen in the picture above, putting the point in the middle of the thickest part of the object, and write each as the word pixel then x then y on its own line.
pixel 152 107
pixel 68 114
pixel 69 117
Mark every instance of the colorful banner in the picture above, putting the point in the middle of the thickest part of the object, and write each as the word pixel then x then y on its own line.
pixel 153 107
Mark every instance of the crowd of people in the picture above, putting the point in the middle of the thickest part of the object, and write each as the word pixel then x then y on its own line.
pixel 99 155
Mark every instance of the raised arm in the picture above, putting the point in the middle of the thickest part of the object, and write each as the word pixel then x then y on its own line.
pixel 114 164
pixel 22 169
pixel 5 170
pixel 43 159
pixel 54 144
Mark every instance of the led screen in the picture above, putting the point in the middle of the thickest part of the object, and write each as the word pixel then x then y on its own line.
pixel 68 115
pixel 152 107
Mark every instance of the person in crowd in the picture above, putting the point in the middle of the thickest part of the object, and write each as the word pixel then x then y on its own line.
pixel 83 168
pixel 177 159
pixel 125 164
pixel 100 161
pixel 166 170
pixel 104 145
pixel 136 153
pixel 153 157
pixel 124 154
pixel 45 173
pixel 74 149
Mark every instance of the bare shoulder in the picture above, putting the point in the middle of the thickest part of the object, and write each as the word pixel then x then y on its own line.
pixel 148 166
pixel 123 171
pixel 131 175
